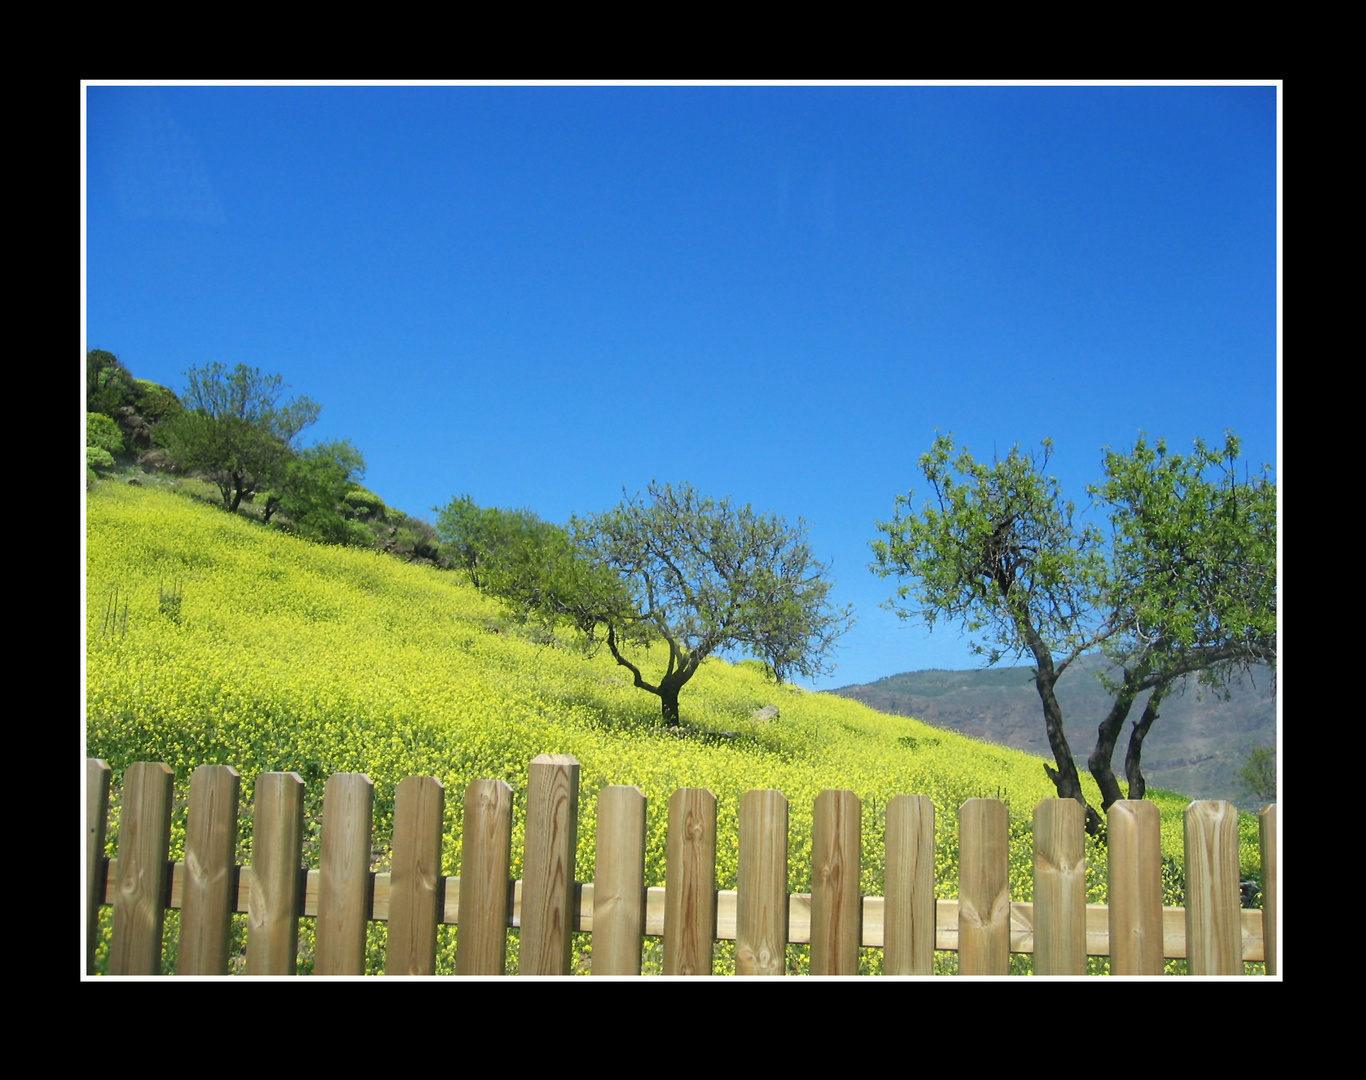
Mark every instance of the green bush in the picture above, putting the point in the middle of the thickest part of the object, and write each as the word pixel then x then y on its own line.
pixel 103 432
pixel 108 384
pixel 156 403
pixel 97 457
pixel 358 534
pixel 363 503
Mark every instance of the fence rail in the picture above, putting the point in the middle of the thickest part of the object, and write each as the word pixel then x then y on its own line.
pixel 343 896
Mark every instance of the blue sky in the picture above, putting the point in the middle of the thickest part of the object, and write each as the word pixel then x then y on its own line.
pixel 539 295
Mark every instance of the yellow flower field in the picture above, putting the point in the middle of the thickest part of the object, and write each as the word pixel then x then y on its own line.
pixel 212 639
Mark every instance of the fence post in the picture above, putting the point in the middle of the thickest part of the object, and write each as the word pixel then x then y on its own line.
pixel 552 824
pixel 1214 940
pixel 416 885
pixel 485 887
pixel 983 888
pixel 97 775
pixel 909 906
pixel 1059 887
pixel 761 902
pixel 1135 894
pixel 836 898
pixel 690 886
pixel 144 846
pixel 275 896
pixel 210 871
pixel 345 891
pixel 1266 828
pixel 619 882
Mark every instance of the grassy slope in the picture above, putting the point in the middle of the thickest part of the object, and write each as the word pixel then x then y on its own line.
pixel 284 655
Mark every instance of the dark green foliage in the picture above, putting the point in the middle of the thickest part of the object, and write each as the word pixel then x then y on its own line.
pixel 414 539
pixel 1257 777
pixel 311 488
pixel 234 430
pixel 697 574
pixel 1184 584
pixel 108 384
pixel 531 565
pixel 156 403
pixel 364 504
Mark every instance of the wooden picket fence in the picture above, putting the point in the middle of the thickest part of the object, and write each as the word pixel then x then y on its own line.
pixel 983 925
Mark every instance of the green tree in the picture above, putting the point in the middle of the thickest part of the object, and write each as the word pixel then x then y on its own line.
pixel 1184 584
pixel 155 403
pixel 103 433
pixel 234 430
pixel 695 575
pixel 108 384
pixel 702 576
pixel 1257 777
pixel 103 439
pixel 533 566
pixel 1191 583
pixel 311 486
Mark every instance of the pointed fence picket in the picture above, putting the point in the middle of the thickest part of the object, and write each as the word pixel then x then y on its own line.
pixel 548 905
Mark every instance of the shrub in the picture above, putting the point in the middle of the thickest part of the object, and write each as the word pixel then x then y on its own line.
pixel 108 384
pixel 103 432
pixel 156 403
pixel 363 503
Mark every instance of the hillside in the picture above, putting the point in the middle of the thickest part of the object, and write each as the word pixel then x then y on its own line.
pixel 1197 745
pixel 211 639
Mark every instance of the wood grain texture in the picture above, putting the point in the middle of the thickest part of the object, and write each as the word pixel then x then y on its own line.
pixel 1059 887
pixel 909 910
pixel 983 888
pixel 414 898
pixel 210 871
pixel 761 885
pixel 344 888
pixel 482 893
pixel 690 883
pixel 275 884
pixel 142 893
pixel 618 905
pixel 836 900
pixel 552 823
pixel 1266 827
pixel 1213 920
pixel 1134 912
pixel 97 778
pixel 982 924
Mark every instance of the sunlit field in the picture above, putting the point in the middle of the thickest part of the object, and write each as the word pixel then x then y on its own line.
pixel 214 640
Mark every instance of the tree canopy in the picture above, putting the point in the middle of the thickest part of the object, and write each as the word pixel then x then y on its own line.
pixel 1183 584
pixel 702 576
pixel 234 429
pixel 532 565
pixel 310 487
pixel 108 384
pixel 1257 777
pixel 696 575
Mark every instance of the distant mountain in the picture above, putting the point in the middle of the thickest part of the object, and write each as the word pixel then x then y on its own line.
pixel 1196 747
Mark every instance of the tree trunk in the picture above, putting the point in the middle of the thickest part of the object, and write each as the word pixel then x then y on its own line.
pixel 239 488
pixel 1106 737
pixel 1134 756
pixel 1065 777
pixel 669 686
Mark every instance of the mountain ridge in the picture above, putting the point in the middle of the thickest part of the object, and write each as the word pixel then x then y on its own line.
pixel 1197 745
